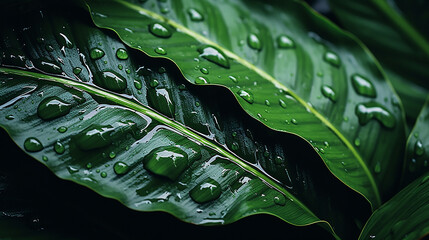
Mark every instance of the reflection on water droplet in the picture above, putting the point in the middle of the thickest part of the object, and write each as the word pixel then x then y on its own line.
pixel 246 95
pixel 62 129
pixel 419 149
pixel 169 161
pixel 204 70
pixel 10 117
pixel 282 103
pixel 95 136
pixel 112 81
pixel 201 80
pixel 195 15
pixel 214 55
pixel 122 54
pixel 160 30
pixel 372 110
pixel 52 107
pixel 33 144
pixel 284 41
pixel 205 191
pixel 96 53
pixel 280 200
pixel 294 121
pixel 77 70
pixel 332 59
pixel 329 93
pixel 254 42
pixel 233 79
pixel 120 168
pixel 160 51
pixel 59 147
pixel 363 86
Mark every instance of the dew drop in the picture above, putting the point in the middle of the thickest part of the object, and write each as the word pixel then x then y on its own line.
pixel 154 83
pixel 160 30
pixel 10 117
pixel 53 107
pixel 62 129
pixel 234 146
pixel 59 147
pixel 45 158
pixel 169 161
pixel 204 70
pixel 329 93
pixel 33 144
pixel 267 103
pixel 96 53
pixel 233 79
pixel 160 51
pixel 122 54
pixel 377 167
pixel 95 136
pixel 137 84
pixel 363 86
pixel 103 174
pixel 419 149
pixel 254 42
pixel 278 160
pixel 77 70
pixel 357 142
pixel 284 41
pixel 112 155
pixel 332 59
pixel 294 121
pixel 372 110
pixel 195 15
pixel 214 55
pixel 205 191
pixel 112 81
pixel 201 80
pixel 120 168
pixel 282 103
pixel 280 200
pixel 246 95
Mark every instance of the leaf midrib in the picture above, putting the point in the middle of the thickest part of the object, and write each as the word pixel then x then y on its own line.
pixel 94 90
pixel 268 77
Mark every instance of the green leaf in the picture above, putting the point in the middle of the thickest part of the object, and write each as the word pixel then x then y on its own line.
pixel 405 216
pixel 288 67
pixel 400 45
pixel 417 150
pixel 158 143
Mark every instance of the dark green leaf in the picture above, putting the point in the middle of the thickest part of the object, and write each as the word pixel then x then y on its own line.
pixel 395 36
pixel 288 67
pixel 109 138
pixel 405 216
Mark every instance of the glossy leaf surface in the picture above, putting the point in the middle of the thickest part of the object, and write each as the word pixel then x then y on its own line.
pixel 417 150
pixel 131 128
pixel 401 43
pixel 405 216
pixel 281 63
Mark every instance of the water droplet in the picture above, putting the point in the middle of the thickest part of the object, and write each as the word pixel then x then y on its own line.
pixel 254 42
pixel 205 191
pixel 59 147
pixel 367 111
pixel 49 48
pixel 329 93
pixel 284 41
pixel 95 136
pixel 377 167
pixel 96 53
pixel 49 67
pixel 160 51
pixel 62 129
pixel 72 169
pixel 294 121
pixel 160 30
pixel 278 160
pixel 137 84
pixel 282 103
pixel 160 99
pixel 214 55
pixel 77 70
pixel 233 79
pixel 89 165
pixel 53 107
pixel 169 161
pixel 120 168
pixel 234 146
pixel 267 102
pixel 154 83
pixel 419 149
pixel 195 15
pixel 112 155
pixel 65 41
pixel 201 80
pixel 332 59
pixel 112 81
pixel 204 70
pixel 44 158
pixel 32 144
pixel 120 66
pixel 280 200
pixel 103 174
pixel 122 54
pixel 248 96
pixel 357 142
pixel 363 86
pixel 10 117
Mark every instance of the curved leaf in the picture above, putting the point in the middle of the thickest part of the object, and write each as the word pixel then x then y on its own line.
pixel 288 67
pixel 400 45
pixel 417 150
pixel 405 216
pixel 99 114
